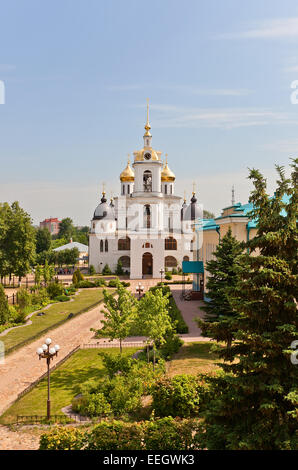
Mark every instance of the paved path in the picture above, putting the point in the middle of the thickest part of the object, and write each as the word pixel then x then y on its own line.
pixel 23 367
pixel 22 440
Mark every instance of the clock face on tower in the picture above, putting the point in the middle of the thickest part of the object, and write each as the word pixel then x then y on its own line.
pixel 147 156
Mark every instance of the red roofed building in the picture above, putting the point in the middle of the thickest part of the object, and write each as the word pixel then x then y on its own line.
pixel 51 224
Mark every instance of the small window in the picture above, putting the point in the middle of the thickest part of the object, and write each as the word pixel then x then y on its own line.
pixel 106 245
pixel 101 246
pixel 170 243
pixel 124 244
pixel 166 189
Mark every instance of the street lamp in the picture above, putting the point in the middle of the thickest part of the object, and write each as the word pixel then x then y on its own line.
pixel 161 274
pixel 48 353
pixel 139 289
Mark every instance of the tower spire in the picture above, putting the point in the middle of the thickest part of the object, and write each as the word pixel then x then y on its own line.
pixel 147 135
pixel 233 195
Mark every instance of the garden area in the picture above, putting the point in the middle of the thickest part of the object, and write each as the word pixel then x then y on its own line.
pixel 51 317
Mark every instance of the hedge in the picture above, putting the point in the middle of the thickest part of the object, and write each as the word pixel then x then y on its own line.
pixel 174 311
pixel 160 434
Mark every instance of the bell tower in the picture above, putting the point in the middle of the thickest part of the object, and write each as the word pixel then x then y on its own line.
pixel 147 166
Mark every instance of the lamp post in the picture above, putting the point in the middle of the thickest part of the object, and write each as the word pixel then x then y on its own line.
pixel 139 289
pixel 161 274
pixel 45 352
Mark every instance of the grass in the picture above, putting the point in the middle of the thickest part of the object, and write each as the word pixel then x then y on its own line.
pixel 83 365
pixel 54 315
pixel 193 358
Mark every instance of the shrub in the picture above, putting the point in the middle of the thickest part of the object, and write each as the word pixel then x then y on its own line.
pixel 116 363
pixel 61 298
pixel 54 289
pixel 77 276
pixel 92 405
pixel 24 298
pixel 168 276
pixel 62 439
pixel 125 284
pixel 106 270
pixel 176 396
pixel 174 271
pixel 116 435
pixel 99 282
pixel 119 268
pixel 168 434
pixel 113 283
pixel 40 297
pixel 92 269
pixel 124 394
pixel 171 345
pixel 84 284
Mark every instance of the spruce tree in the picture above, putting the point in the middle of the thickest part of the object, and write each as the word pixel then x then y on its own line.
pixel 222 277
pixel 252 403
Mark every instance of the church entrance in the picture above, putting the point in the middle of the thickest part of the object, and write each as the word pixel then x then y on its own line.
pixel 147 264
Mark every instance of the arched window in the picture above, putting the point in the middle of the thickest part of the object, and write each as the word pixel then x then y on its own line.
pixel 101 245
pixel 170 243
pixel 125 260
pixel 106 245
pixel 170 262
pixel 124 244
pixel 147 180
pixel 166 189
pixel 185 258
pixel 123 189
pixel 147 216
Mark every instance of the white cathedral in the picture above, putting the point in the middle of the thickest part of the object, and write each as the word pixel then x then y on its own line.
pixel 148 227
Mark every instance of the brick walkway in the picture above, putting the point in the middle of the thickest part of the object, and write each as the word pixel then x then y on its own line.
pixel 22 367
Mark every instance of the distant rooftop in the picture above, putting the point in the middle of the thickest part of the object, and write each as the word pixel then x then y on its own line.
pixel 69 246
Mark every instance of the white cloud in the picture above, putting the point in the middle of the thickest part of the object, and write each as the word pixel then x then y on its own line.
pixel 226 118
pixel 267 29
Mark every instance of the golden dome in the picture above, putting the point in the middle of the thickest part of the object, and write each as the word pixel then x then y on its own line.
pixel 154 154
pixel 167 174
pixel 127 174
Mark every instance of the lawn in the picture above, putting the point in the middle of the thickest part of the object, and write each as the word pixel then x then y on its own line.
pixel 54 315
pixel 83 365
pixel 193 358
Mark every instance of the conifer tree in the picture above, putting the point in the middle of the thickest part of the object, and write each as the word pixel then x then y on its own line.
pixel 253 403
pixel 222 277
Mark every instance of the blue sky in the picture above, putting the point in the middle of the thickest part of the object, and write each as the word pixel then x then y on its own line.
pixel 77 75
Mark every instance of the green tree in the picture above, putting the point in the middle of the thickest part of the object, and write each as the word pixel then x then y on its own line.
pixel 208 215
pixel 119 314
pixel 18 243
pixel 66 229
pixel 4 309
pixel 43 240
pixel 71 256
pixel 252 404
pixel 153 319
pixel 222 271
pixel 119 268
pixel 106 270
